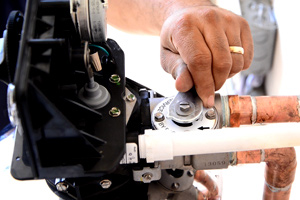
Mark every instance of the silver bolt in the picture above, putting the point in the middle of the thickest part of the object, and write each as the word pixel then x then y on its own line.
pixel 175 186
pixel 115 112
pixel 105 184
pixel 210 114
pixel 115 78
pixel 62 186
pixel 159 117
pixel 184 106
pixel 148 176
pixel 190 173
pixel 130 97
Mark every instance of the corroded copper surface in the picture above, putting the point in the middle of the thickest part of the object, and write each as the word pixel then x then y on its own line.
pixel 234 108
pixel 212 188
pixel 248 157
pixel 279 172
pixel 267 109
pixel 277 109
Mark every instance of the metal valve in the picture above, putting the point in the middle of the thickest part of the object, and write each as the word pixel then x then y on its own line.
pixel 184 112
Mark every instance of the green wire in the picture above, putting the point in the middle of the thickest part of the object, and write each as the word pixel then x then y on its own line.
pixel 99 47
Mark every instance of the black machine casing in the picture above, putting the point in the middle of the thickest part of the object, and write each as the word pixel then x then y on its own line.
pixel 58 135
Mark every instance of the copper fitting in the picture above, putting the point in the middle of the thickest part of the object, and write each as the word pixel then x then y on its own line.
pixel 279 172
pixel 212 188
pixel 245 110
pixel 234 109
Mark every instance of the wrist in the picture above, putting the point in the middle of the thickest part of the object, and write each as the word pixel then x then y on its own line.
pixel 173 6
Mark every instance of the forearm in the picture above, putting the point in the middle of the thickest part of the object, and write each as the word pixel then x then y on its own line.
pixel 145 16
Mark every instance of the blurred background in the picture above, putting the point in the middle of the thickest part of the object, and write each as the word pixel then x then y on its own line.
pixel 274 71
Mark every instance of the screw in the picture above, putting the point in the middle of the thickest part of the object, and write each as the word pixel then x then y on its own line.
pixel 115 112
pixel 148 176
pixel 105 184
pixel 159 117
pixel 210 114
pixel 184 106
pixel 130 97
pixel 190 173
pixel 62 186
pixel 115 78
pixel 175 186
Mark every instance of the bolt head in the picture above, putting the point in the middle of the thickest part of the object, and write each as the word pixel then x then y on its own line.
pixel 184 106
pixel 148 176
pixel 62 186
pixel 159 117
pixel 105 184
pixel 130 97
pixel 210 114
pixel 115 112
pixel 175 186
pixel 115 78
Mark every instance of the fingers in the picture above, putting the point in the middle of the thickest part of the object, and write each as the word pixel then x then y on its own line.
pixel 222 64
pixel 173 64
pixel 247 43
pixel 234 39
pixel 196 52
pixel 198 58
pixel 186 42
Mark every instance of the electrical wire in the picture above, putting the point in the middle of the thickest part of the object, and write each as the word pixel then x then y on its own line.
pixel 99 47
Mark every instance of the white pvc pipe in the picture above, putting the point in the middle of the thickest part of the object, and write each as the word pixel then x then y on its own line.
pixel 159 145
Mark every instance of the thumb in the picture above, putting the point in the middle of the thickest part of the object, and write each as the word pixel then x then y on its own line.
pixel 184 82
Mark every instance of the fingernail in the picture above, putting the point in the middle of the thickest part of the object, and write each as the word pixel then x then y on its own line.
pixel 210 101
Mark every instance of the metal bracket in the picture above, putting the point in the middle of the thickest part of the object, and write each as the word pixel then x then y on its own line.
pixel 147 174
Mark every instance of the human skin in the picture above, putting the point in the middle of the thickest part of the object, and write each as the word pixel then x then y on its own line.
pixel 195 39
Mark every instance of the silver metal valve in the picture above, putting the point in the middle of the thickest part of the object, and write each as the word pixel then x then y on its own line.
pixel 184 112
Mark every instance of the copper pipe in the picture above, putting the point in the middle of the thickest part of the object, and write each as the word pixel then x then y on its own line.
pixel 212 188
pixel 244 157
pixel 279 172
pixel 245 110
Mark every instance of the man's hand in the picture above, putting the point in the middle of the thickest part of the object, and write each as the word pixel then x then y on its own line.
pixel 195 39
pixel 195 48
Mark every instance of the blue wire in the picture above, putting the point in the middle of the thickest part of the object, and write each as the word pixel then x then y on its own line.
pixel 99 47
pixel 5 130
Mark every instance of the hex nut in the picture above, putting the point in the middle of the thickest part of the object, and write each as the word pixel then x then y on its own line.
pixel 105 184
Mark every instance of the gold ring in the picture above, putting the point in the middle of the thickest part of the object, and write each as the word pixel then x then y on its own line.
pixel 236 49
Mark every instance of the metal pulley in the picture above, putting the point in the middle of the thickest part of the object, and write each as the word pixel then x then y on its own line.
pixel 89 17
